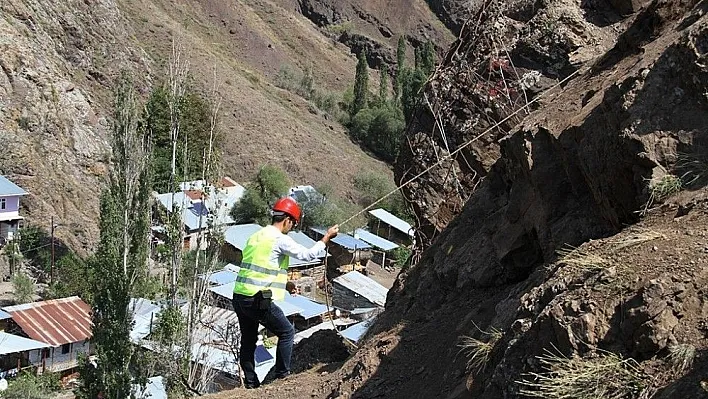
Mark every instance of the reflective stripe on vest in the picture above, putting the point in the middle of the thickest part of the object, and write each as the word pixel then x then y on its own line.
pixel 257 272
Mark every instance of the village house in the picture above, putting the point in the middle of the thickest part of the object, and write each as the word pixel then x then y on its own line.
pixel 15 352
pixel 63 324
pixel 391 227
pixel 356 291
pixel 345 249
pixel 382 247
pixel 203 207
pixel 10 218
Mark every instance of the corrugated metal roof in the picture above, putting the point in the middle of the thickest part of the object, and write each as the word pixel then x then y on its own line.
pixel 4 315
pixel 364 286
pixel 355 332
pixel 220 201
pixel 288 308
pixel 221 277
pixel 9 188
pixel 379 242
pixel 309 308
pixel 56 322
pixel 393 221
pixel 307 242
pixel 238 235
pixel 343 240
pixel 13 344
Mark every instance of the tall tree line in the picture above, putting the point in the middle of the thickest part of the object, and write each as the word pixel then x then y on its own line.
pixel 378 121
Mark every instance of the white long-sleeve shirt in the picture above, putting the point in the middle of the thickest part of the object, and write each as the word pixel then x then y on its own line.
pixel 286 246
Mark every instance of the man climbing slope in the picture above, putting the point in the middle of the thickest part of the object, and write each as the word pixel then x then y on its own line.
pixel 262 280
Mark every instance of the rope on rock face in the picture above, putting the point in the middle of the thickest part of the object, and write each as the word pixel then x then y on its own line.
pixel 328 299
pixel 463 146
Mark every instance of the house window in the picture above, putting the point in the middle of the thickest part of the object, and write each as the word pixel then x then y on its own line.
pixel 65 349
pixel 2 203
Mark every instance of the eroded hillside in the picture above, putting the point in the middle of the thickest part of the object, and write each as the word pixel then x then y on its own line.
pixel 59 61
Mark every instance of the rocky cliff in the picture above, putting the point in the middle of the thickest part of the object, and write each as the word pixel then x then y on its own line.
pixel 566 249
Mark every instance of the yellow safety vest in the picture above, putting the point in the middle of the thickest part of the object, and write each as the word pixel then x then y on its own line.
pixel 257 272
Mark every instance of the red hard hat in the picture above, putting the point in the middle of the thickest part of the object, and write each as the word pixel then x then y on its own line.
pixel 288 206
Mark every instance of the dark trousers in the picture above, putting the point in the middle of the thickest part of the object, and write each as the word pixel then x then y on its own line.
pixel 275 321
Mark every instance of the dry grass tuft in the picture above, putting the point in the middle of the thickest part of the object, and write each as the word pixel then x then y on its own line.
pixel 581 261
pixel 661 190
pixel 478 351
pixel 681 357
pixel 635 239
pixel 606 376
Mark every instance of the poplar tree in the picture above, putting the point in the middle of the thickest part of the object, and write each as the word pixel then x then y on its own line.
pixel 383 85
pixel 122 252
pixel 361 84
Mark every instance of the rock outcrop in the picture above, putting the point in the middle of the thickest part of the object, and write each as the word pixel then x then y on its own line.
pixel 57 61
pixel 581 167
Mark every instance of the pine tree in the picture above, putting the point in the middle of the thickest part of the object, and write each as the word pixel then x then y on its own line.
pixel 122 251
pixel 383 85
pixel 361 84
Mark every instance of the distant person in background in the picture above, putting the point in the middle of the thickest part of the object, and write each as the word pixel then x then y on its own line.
pixel 262 280
pixel 291 288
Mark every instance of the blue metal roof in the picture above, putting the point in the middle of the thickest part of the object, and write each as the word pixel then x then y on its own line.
pixel 9 188
pixel 13 344
pixel 288 308
pixel 221 277
pixel 238 235
pixel 309 308
pixel 343 240
pixel 378 242
pixel 262 354
pixel 4 315
pixel 393 221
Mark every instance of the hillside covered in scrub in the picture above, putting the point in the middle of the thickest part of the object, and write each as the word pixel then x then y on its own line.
pixel 564 250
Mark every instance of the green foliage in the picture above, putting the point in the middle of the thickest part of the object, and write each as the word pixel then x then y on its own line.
pixel 383 85
pixel 149 287
pixel 380 129
pixel 122 251
pixel 372 186
pixel 361 84
pixel 413 82
pixel 23 288
pixel 73 276
pixel 265 188
pixel 328 212
pixel 170 327
pixel 35 246
pixel 195 113
pixel 29 386
pixel 401 254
